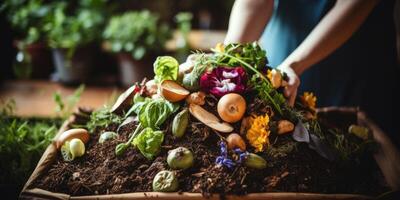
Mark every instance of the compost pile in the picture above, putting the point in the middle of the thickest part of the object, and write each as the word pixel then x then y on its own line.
pixel 218 123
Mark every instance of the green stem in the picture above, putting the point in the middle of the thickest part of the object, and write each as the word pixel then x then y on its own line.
pixel 257 72
pixel 137 130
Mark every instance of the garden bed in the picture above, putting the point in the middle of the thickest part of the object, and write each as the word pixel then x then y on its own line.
pixel 101 174
pixel 217 125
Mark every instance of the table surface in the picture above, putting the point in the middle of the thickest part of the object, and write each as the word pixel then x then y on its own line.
pixel 35 98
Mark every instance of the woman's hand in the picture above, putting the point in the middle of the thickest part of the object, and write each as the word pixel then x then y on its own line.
pixel 290 90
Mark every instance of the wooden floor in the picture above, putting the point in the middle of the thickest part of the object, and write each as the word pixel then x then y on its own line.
pixel 35 98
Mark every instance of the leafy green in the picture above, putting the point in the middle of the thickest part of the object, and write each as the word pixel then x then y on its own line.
pixel 22 143
pixel 102 118
pixel 153 112
pixel 137 33
pixel 250 53
pixel 65 108
pixel 165 68
pixel 26 18
pixel 70 25
pixel 149 141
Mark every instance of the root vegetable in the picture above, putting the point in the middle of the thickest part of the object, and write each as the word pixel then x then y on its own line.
pixel 231 107
pixel 285 126
pixel 172 91
pixel 165 181
pixel 209 119
pixel 180 158
pixel 79 133
pixel 235 141
pixel 196 98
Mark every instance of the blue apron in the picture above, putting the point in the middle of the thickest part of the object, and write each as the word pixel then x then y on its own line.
pixel 363 72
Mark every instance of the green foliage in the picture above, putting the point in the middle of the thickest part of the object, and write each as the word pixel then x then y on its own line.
pixel 65 108
pixel 153 112
pixel 69 25
pixel 165 68
pixel 102 118
pixel 22 142
pixel 250 53
pixel 268 93
pixel 184 25
pixel 137 33
pixel 26 17
pixel 148 142
pixel 348 147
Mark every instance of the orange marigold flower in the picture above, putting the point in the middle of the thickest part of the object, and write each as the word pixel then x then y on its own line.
pixel 309 100
pixel 258 132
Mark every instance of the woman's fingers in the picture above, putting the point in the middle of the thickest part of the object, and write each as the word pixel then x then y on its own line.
pixel 290 90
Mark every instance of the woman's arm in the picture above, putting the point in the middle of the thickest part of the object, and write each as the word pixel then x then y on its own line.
pixel 332 31
pixel 248 20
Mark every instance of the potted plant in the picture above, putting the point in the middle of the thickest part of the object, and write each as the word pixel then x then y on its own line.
pixel 26 18
pixel 135 38
pixel 71 31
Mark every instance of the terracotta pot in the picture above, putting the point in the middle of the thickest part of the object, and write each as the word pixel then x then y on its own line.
pixel 387 157
pixel 131 70
pixel 75 70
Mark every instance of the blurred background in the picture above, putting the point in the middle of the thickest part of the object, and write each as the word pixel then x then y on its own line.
pixel 58 55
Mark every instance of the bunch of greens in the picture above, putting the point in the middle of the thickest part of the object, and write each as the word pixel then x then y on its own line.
pixel 152 113
pixel 22 142
pixel 102 118
pixel 70 25
pixel 26 18
pixel 64 108
pixel 250 53
pixel 148 142
pixel 165 68
pixel 137 33
pixel 253 58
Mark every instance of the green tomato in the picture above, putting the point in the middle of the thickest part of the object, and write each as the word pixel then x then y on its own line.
pixel 107 136
pixel 165 181
pixel 180 158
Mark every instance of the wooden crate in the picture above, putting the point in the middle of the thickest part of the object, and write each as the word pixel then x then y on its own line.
pixel 387 157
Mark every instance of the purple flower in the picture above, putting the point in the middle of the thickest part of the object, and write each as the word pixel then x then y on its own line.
pixel 224 160
pixel 224 80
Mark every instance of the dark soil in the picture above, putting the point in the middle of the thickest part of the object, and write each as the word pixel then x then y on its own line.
pixel 292 167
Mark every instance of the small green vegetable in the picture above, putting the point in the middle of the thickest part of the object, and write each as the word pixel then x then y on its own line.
pixel 165 181
pixel 180 158
pixel 72 149
pixel 148 142
pixel 121 148
pixel 180 123
pixel 153 113
pixel 166 68
pixel 255 161
pixel 107 136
